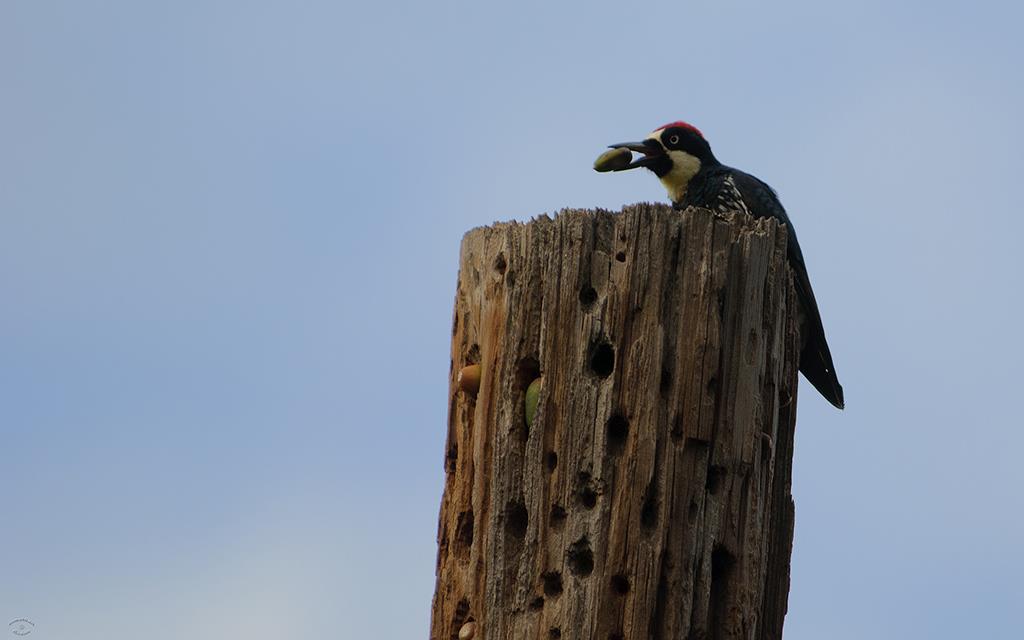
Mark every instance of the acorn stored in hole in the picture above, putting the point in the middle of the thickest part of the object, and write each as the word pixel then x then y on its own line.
pixel 469 379
pixel 468 631
pixel 532 398
pixel 613 160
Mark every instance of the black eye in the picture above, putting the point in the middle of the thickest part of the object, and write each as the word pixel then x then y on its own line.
pixel 673 139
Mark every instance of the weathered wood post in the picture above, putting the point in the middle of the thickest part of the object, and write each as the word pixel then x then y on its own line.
pixel 650 498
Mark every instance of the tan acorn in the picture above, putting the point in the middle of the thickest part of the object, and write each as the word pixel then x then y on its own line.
pixel 469 379
pixel 468 631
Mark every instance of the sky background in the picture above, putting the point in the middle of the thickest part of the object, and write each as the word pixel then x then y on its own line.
pixel 229 239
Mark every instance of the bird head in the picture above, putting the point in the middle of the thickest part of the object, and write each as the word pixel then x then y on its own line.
pixel 675 153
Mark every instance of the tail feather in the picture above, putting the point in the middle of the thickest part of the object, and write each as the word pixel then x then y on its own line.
pixel 815 357
pixel 816 365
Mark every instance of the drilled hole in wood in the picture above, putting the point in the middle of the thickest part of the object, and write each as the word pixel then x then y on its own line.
pixel 588 296
pixel 616 636
pixel 620 584
pixel 527 370
pixel 459 617
pixel 649 510
pixel 662 602
pixel 554 633
pixel 716 474
pixel 499 264
pixel 721 562
pixel 621 256
pixel 473 355
pixel 618 429
pixel 713 385
pixel 551 460
pixel 722 568
pixel 692 513
pixel 537 603
pixel 464 530
pixel 665 383
pixel 552 584
pixel 516 519
pixel 557 517
pixel 451 458
pixel 602 358
pixel 580 558
pixel 585 493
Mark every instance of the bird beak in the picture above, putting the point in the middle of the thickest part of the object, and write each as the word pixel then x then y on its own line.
pixel 651 148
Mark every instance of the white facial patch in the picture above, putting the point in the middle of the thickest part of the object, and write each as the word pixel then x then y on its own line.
pixel 684 167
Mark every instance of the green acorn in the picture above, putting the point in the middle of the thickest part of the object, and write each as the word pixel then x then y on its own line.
pixel 532 398
pixel 613 160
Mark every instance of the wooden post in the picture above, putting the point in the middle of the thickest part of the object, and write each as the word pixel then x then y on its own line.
pixel 650 497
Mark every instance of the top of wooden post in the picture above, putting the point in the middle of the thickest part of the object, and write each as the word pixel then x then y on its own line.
pixel 650 494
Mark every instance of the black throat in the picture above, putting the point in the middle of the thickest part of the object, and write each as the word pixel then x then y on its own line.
pixel 661 166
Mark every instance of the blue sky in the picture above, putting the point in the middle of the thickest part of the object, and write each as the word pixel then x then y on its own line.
pixel 228 248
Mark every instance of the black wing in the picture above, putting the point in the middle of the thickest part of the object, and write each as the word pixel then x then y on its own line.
pixel 815 358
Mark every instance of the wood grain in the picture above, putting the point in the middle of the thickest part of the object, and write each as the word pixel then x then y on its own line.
pixel 651 497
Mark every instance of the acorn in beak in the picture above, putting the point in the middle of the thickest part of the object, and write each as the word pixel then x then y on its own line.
pixel 619 157
pixel 651 149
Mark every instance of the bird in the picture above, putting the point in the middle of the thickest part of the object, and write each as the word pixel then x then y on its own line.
pixel 681 158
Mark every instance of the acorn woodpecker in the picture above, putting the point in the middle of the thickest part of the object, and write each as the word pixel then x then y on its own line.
pixel 681 158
